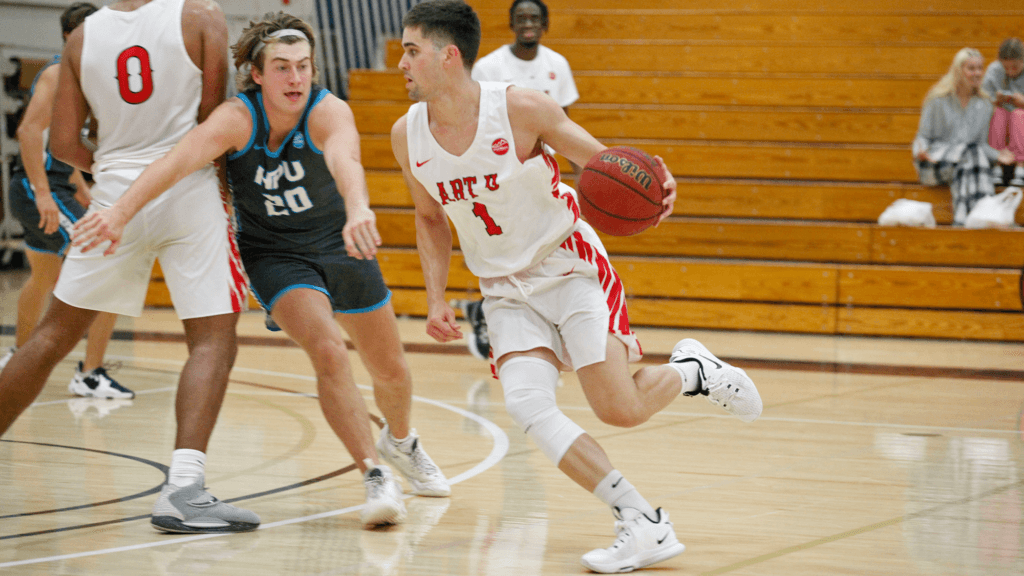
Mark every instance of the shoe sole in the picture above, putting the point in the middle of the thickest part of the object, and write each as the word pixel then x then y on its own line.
pixel 172 525
pixel 383 517
pixel 424 490
pixel 89 393
pixel 643 562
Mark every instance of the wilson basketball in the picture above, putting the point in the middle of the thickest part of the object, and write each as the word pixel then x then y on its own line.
pixel 620 191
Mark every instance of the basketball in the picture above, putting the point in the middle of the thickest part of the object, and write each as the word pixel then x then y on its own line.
pixel 620 191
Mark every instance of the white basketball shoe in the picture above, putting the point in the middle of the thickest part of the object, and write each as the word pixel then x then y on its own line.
pixel 641 541
pixel 722 383
pixel 383 497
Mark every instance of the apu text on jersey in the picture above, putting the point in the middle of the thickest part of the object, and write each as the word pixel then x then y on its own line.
pixel 270 180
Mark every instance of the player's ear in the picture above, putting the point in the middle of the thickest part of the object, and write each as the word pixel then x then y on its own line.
pixel 452 55
pixel 256 76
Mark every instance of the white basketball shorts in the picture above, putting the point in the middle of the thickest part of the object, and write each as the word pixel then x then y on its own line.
pixel 569 302
pixel 187 228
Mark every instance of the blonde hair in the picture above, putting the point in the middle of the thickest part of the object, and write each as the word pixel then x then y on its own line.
pixel 948 83
pixel 251 46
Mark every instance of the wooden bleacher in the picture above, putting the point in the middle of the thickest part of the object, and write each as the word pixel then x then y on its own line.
pixel 788 126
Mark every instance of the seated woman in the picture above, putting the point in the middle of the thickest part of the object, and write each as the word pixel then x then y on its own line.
pixel 952 145
pixel 1004 81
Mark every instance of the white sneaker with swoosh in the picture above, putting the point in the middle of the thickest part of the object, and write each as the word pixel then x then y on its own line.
pixel 722 383
pixel 641 541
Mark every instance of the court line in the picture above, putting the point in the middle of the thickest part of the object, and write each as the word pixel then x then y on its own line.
pixel 161 467
pixel 862 530
pixel 499 448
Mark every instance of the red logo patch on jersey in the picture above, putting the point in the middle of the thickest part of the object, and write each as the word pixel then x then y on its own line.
pixel 500 146
pixel 551 75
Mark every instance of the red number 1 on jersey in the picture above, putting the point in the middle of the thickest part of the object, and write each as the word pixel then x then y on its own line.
pixel 480 211
pixel 134 75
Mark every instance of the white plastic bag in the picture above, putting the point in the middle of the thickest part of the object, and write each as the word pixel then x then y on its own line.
pixel 996 211
pixel 906 212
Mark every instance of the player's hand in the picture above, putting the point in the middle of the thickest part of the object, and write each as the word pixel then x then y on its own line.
pixel 98 227
pixel 441 324
pixel 360 233
pixel 49 215
pixel 668 183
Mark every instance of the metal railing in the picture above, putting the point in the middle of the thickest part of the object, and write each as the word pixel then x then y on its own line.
pixel 353 34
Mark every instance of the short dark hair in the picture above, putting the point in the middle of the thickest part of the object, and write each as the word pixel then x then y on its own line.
pixel 540 4
pixel 447 22
pixel 74 16
pixel 1011 49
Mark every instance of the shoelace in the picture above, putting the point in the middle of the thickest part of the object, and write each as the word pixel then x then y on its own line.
pixel 622 529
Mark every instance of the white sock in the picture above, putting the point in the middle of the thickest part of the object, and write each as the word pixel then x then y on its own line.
pixel 187 466
pixel 617 492
pixel 405 444
pixel 689 371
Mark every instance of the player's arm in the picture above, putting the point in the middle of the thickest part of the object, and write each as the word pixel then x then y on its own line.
pixel 33 147
pixel 70 109
pixel 433 242
pixel 332 127
pixel 536 113
pixel 228 128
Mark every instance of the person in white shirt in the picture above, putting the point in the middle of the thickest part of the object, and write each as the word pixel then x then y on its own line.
pixel 528 64
pixel 471 152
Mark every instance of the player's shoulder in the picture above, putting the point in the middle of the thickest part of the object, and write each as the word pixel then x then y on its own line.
pixel 202 13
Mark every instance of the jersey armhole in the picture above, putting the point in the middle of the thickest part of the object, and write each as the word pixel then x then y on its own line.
pixel 255 127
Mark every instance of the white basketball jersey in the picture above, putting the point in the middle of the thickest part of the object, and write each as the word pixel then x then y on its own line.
pixel 140 83
pixel 508 214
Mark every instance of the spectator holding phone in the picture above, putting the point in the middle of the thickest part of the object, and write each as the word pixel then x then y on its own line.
pixel 952 143
pixel 1004 82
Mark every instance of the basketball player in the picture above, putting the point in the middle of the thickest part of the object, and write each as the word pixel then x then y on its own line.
pixel 48 197
pixel 524 63
pixel 308 240
pixel 473 152
pixel 147 71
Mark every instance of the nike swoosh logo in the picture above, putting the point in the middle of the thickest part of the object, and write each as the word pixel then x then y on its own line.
pixel 663 538
pixel 418 164
pixel 710 360
pixel 616 484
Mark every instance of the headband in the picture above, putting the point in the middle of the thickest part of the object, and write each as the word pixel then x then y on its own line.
pixel 279 34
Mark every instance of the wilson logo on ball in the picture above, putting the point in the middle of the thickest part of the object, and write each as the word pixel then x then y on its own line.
pixel 500 146
pixel 630 168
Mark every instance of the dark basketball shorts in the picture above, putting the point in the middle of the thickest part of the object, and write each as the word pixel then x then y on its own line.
pixel 23 207
pixel 352 285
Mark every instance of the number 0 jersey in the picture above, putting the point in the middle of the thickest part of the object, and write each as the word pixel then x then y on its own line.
pixel 285 199
pixel 509 215
pixel 140 83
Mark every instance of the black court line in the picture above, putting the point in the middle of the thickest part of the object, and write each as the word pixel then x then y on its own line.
pixel 162 468
pixel 327 476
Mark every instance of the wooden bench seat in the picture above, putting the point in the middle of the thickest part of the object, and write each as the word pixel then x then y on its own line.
pixel 859 59
pixel 753 6
pixel 700 89
pixel 837 242
pixel 769 27
pixel 705 122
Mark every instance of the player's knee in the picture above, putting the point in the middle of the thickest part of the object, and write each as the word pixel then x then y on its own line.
pixel 328 356
pixel 534 410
